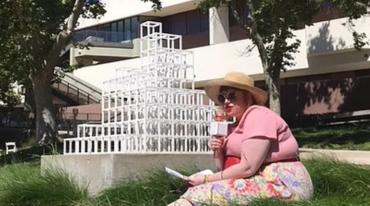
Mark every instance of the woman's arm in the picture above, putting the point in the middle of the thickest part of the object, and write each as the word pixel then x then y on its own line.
pixel 253 154
pixel 218 158
pixel 216 145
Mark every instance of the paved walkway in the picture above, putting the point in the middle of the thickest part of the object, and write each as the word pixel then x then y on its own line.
pixel 352 156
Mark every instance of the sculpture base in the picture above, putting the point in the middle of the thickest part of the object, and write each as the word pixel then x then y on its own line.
pixel 101 171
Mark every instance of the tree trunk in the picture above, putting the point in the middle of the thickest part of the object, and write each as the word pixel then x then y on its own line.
pixel 272 77
pixel 46 129
pixel 273 83
pixel 29 103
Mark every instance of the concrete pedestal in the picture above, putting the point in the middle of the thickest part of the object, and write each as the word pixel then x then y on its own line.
pixel 102 171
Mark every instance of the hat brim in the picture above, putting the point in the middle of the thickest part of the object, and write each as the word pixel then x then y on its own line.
pixel 212 89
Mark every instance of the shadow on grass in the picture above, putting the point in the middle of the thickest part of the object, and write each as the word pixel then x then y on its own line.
pixel 336 137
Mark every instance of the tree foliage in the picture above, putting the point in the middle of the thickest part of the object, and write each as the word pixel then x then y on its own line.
pixel 8 96
pixel 33 35
pixel 32 38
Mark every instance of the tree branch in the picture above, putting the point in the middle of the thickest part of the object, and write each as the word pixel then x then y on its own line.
pixel 76 12
pixel 256 37
pixel 63 37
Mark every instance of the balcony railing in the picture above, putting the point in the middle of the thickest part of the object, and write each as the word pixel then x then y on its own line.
pixel 75 93
pixel 94 36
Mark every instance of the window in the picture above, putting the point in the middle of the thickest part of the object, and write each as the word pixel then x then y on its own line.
pixel 127 28
pixel 167 25
pixel 179 24
pixel 190 22
pixel 104 27
pixel 193 21
pixel 243 12
pixel 114 27
pixel 204 21
pixel 114 36
pixel 134 27
pixel 120 30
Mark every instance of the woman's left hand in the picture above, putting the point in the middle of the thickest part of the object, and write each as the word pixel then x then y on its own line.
pixel 196 180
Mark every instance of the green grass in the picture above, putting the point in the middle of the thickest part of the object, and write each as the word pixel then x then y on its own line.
pixel 156 188
pixel 352 137
pixel 23 185
pixel 335 184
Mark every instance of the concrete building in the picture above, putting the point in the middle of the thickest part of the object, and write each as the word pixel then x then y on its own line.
pixel 330 75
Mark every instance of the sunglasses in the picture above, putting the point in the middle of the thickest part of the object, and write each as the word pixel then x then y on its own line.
pixel 231 96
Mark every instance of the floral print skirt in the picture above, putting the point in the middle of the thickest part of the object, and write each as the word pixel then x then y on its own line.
pixel 287 181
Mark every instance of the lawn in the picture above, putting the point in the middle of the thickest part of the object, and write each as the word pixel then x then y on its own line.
pixel 335 183
pixel 21 184
pixel 352 137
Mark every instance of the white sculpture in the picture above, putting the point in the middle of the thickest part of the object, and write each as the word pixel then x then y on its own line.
pixel 153 109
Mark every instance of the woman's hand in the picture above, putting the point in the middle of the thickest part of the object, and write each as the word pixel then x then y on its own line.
pixel 196 180
pixel 216 143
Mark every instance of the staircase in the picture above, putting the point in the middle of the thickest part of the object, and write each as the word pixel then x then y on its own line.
pixel 76 90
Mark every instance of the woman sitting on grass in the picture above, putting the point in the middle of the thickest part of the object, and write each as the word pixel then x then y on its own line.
pixel 257 159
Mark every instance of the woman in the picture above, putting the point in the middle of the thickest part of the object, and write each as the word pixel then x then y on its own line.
pixel 259 156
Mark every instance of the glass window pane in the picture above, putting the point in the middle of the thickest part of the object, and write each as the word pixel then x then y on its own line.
pixel 166 25
pixel 104 27
pixel 103 31
pixel 127 28
pixel 180 26
pixel 114 36
pixel 120 31
pixel 232 20
pixel 204 21
pixel 193 22
pixel 120 26
pixel 114 26
pixel 134 27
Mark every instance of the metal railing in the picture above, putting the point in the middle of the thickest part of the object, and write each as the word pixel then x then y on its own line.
pixel 74 93
pixel 94 91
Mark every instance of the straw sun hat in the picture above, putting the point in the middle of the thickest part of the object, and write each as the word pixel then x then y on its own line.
pixel 236 80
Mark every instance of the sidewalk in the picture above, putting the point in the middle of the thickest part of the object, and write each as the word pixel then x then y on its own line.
pixel 352 156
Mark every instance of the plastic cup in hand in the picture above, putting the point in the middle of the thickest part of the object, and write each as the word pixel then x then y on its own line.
pixel 220 114
pixel 219 126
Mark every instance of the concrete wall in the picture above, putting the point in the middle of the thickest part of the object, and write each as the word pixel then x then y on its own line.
pixel 219 25
pixel 327 37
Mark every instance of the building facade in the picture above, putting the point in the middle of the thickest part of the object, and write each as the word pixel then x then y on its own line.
pixel 329 75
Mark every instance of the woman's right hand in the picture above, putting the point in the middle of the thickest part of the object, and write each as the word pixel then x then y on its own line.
pixel 216 143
